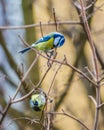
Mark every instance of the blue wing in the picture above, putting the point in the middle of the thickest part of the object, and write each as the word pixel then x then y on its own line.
pixel 43 39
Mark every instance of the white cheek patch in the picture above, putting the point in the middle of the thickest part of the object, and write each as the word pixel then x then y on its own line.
pixel 56 41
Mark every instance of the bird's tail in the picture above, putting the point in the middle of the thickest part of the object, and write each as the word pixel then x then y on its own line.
pixel 25 50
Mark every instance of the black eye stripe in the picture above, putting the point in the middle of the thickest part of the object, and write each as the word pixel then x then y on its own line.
pixel 35 103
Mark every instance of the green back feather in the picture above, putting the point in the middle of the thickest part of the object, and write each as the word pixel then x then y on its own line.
pixel 44 46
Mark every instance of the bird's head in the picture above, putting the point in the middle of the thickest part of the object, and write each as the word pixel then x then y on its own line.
pixel 59 39
pixel 37 102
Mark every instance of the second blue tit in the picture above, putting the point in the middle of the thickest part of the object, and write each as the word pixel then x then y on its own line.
pixel 48 42
pixel 38 101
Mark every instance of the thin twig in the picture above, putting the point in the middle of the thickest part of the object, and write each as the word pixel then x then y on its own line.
pixel 54 16
pixel 77 4
pixel 94 101
pixel 48 122
pixel 53 79
pixel 102 83
pixel 41 30
pixel 54 76
pixel 35 88
pixel 97 8
pixel 94 60
pixel 96 121
pixel 28 119
pixel 38 25
pixel 100 106
pixel 24 77
pixel 72 117
pixel 5 111
pixel 1 112
pixel 91 74
pixel 85 22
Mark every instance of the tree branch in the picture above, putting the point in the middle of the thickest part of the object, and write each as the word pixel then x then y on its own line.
pixel 38 25
pixel 70 116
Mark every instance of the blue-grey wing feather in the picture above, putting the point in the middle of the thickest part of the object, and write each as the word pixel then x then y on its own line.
pixel 43 39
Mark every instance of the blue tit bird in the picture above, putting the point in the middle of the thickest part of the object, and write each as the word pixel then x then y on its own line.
pixel 38 101
pixel 48 42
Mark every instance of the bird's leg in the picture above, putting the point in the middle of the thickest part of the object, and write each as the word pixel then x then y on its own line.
pixel 49 62
pixel 53 53
pixel 50 54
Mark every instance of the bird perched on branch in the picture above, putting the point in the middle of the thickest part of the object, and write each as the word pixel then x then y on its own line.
pixel 38 101
pixel 46 43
